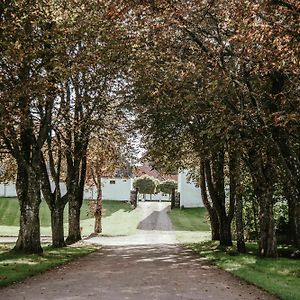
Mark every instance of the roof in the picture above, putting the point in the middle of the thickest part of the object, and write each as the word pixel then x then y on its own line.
pixel 147 169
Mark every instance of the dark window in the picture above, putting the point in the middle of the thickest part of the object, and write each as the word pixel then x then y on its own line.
pixel 112 182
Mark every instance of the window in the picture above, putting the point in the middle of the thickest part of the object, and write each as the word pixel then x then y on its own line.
pixel 112 182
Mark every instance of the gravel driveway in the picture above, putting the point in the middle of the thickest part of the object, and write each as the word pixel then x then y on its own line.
pixel 154 228
pixel 148 265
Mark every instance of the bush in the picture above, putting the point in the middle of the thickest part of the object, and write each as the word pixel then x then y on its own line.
pixel 167 186
pixel 145 184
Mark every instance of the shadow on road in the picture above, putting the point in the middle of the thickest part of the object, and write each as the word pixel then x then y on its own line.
pixel 157 220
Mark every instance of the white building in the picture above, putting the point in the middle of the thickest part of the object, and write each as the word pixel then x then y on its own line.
pixel 112 189
pixel 190 194
pixel 8 190
pixel 119 189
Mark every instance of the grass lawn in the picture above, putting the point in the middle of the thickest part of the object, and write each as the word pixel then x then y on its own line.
pixel 121 221
pixel 280 276
pixel 191 224
pixel 119 218
pixel 189 219
pixel 16 267
pixel 10 214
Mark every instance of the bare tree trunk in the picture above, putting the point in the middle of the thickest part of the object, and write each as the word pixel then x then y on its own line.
pixel 215 181
pixel 287 154
pixel 263 181
pixel 173 196
pixel 98 209
pixel 74 220
pixel 28 190
pixel 75 193
pixel 225 230
pixel 213 217
pixel 240 240
pixel 267 242
pixel 236 195
pixel 57 226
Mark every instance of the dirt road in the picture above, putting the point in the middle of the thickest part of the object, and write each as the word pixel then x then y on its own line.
pixel 149 265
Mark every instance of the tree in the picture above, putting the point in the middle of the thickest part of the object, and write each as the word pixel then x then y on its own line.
pixel 27 97
pixel 145 184
pixel 167 186
pixel 103 158
pixel 60 79
pixel 223 91
pixel 8 168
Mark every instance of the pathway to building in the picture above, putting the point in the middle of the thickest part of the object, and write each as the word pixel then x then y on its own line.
pixel 148 265
pixel 155 228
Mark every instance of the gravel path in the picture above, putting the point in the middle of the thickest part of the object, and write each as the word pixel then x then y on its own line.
pixel 147 265
pixel 166 272
pixel 155 228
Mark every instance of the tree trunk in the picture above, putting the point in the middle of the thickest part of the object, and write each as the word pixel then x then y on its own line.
pixel 29 196
pixel 255 208
pixel 267 242
pixel 296 225
pixel 98 209
pixel 225 230
pixel 214 172
pixel 213 217
pixel 289 163
pixel 75 187
pixel 57 226
pixel 74 221
pixel 214 226
pixel 236 194
pixel 240 240
pixel 260 166
pixel 288 155
pixel 293 214
pixel 173 196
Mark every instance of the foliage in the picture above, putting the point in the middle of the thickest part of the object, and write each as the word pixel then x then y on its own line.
pixel 145 184
pixel 7 168
pixel 167 186
pixel 215 76
pixel 61 72
pixel 251 214
pixel 277 276
pixel 15 267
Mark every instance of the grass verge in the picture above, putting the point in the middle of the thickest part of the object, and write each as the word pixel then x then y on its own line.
pixel 190 224
pixel 119 218
pixel 280 276
pixel 189 219
pixel 16 267
pixel 122 222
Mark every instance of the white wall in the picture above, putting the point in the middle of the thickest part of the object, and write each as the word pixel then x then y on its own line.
pixel 154 197
pixel 8 190
pixel 119 190
pixel 190 195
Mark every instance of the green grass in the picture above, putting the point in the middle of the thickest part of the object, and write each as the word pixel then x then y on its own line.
pixel 189 219
pixel 280 276
pixel 191 224
pixel 15 267
pixel 121 221
pixel 119 218
pixel 10 214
